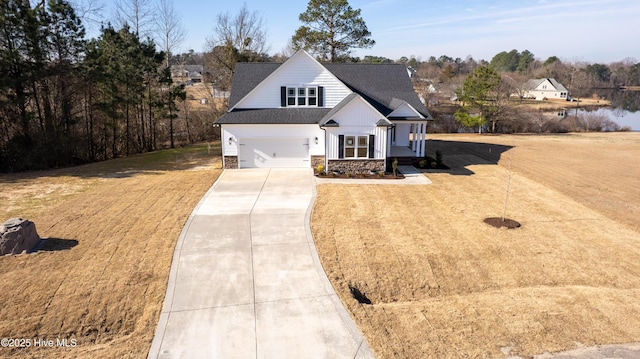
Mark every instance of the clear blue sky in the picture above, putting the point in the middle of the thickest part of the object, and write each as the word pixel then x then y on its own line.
pixel 600 31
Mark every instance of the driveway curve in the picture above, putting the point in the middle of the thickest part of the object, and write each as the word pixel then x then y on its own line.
pixel 246 280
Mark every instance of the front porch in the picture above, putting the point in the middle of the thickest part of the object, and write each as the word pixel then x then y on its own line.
pixel 407 139
pixel 401 151
pixel 404 155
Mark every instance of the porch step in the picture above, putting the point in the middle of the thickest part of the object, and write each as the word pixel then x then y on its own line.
pixel 405 161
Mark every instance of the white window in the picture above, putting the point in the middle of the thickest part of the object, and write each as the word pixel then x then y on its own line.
pixel 302 96
pixel 356 146
pixel 312 95
pixel 291 96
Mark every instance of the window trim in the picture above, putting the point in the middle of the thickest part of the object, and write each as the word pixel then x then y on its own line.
pixel 295 96
pixel 291 96
pixel 356 146
pixel 313 97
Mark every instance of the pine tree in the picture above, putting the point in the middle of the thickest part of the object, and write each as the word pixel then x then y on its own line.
pixel 475 96
pixel 331 29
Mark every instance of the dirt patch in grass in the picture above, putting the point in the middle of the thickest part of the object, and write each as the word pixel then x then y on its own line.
pixel 101 277
pixel 499 222
pixel 445 285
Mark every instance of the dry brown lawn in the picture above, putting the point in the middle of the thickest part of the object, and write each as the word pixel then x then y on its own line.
pixel 101 276
pixel 198 91
pixel 445 285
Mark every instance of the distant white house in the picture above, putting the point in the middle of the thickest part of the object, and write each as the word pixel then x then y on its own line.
pixel 546 88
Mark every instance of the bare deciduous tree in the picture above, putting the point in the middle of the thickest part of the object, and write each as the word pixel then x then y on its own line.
pixel 579 85
pixel 169 29
pixel 285 53
pixel 239 37
pixel 245 32
pixel 516 81
pixel 138 14
pixel 89 11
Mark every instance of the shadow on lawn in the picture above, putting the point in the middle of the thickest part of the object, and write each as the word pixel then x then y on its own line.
pixel 459 155
pixel 156 162
pixel 55 244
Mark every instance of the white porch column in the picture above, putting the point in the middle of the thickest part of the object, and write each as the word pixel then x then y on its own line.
pixel 414 142
pixel 389 139
pixel 423 139
pixel 417 136
pixel 419 140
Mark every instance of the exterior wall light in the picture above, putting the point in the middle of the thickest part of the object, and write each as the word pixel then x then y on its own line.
pixel 316 140
pixel 230 141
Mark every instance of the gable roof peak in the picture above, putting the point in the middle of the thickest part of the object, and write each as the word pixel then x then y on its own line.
pixel 266 71
pixel 343 104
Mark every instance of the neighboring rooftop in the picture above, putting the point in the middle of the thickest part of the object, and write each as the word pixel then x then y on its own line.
pixel 534 83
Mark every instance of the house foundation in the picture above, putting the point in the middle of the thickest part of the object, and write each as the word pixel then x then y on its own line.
pixel 230 162
pixel 317 161
pixel 356 166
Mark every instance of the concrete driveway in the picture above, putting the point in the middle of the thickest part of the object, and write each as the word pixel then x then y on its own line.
pixel 246 281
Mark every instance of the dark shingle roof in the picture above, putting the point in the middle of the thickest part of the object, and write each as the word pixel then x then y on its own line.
pixel 289 115
pixel 247 76
pixel 330 123
pixel 329 116
pixel 534 83
pixel 384 122
pixel 384 86
pixel 379 84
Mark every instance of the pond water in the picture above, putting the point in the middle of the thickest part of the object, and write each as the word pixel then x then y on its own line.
pixel 618 115
pixel 624 110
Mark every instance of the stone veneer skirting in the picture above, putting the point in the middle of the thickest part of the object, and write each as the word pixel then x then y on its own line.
pixel 316 161
pixel 230 162
pixel 356 166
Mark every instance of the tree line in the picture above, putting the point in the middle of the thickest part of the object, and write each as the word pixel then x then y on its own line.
pixel 332 29
pixel 490 93
pixel 65 100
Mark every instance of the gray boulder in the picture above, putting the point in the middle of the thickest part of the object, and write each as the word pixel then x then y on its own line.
pixel 18 235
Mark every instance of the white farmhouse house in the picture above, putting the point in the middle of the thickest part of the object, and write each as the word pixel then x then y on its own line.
pixel 301 113
pixel 546 88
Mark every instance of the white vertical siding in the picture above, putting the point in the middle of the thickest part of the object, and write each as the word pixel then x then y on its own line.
pixel 380 133
pixel 332 142
pixel 357 118
pixel 300 70
pixel 357 113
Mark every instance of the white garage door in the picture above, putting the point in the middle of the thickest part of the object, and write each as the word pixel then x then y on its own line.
pixel 274 152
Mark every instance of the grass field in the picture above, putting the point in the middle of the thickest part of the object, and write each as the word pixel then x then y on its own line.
pixel 442 283
pixel 101 276
pixel 445 285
